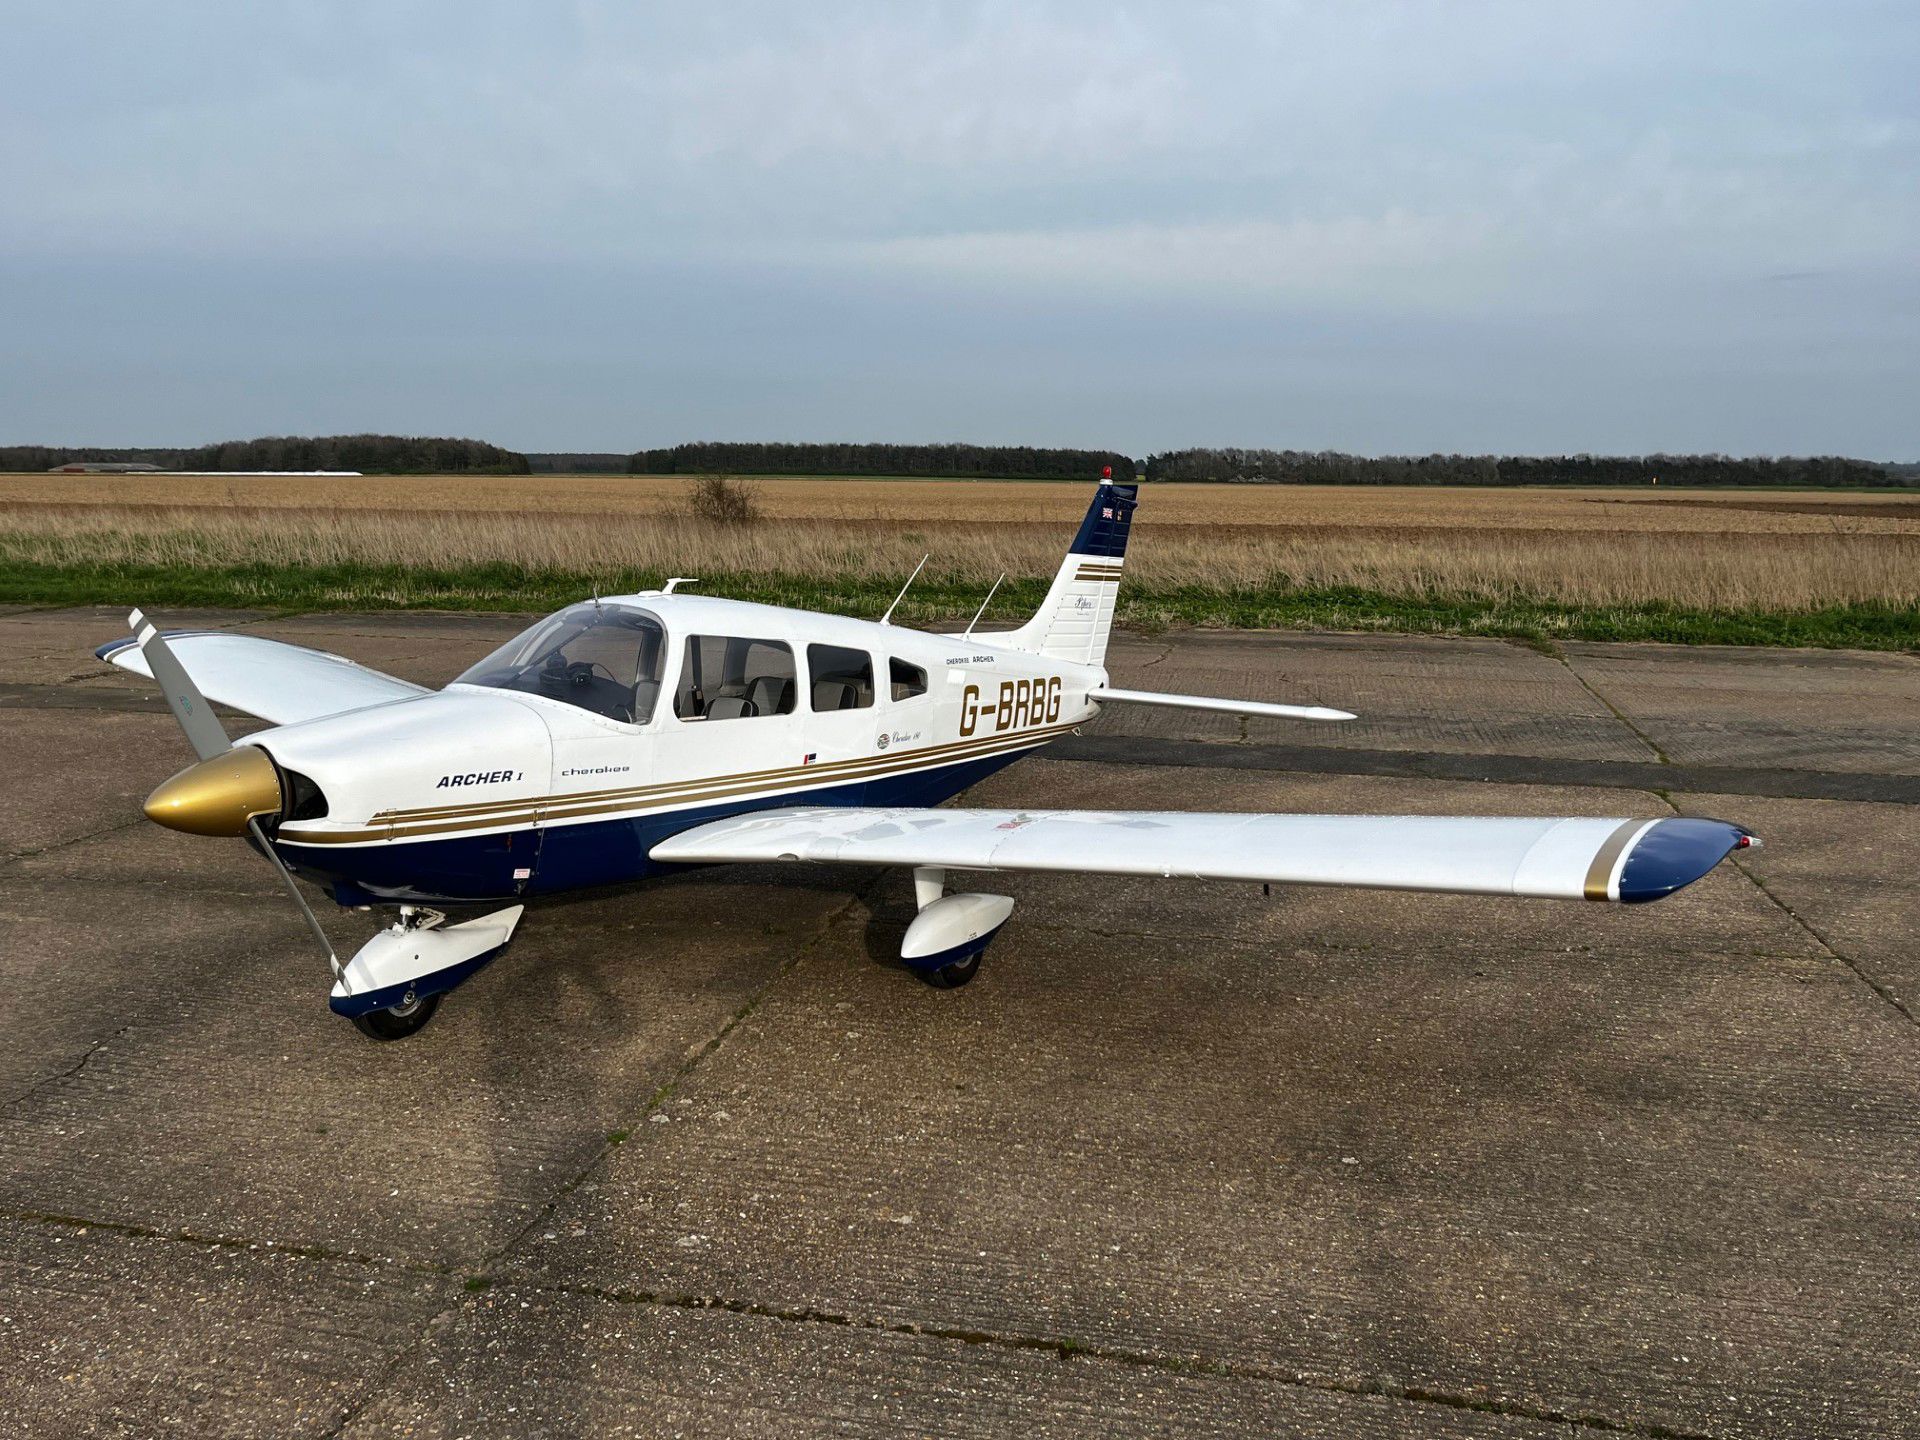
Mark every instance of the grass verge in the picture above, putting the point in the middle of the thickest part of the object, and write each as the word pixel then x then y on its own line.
pixel 504 587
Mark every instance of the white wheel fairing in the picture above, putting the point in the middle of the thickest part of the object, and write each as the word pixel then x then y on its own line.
pixel 401 967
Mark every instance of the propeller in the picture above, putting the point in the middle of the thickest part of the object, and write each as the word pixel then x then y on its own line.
pixel 230 789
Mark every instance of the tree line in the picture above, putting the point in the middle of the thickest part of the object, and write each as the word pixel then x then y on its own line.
pixel 999 462
pixel 1330 467
pixel 371 454
pixel 425 455
pixel 45 457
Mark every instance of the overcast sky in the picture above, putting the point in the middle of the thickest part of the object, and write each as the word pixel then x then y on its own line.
pixel 1375 226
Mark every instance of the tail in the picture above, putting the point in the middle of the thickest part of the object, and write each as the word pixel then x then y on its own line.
pixel 1073 622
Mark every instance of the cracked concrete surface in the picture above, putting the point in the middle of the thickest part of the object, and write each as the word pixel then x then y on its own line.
pixel 696 1157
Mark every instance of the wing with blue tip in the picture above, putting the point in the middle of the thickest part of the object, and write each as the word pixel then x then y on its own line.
pixel 1564 859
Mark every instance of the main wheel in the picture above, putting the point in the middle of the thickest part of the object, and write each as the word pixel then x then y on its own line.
pixel 953 976
pixel 397 1022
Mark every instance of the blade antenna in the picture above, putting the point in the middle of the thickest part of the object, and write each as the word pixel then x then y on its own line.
pixel 983 608
pixel 906 587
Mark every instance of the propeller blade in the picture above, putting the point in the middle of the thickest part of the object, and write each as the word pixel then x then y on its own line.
pixel 209 740
pixel 286 878
pixel 204 731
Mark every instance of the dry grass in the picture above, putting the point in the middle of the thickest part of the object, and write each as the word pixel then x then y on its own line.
pixel 1544 546
pixel 996 501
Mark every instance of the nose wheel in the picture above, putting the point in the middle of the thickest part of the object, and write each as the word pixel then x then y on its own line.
pixel 396 1022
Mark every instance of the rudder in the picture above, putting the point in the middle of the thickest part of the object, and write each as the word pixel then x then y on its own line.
pixel 1076 618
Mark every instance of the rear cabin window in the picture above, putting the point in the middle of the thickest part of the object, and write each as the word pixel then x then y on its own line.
pixel 842 678
pixel 908 680
pixel 732 677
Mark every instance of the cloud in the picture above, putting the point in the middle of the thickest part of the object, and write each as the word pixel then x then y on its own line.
pixel 1614 177
pixel 1395 260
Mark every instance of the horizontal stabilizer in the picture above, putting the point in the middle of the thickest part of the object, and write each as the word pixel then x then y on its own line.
pixel 280 683
pixel 1569 859
pixel 1225 707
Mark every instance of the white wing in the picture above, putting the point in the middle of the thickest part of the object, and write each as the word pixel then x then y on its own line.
pixel 1627 860
pixel 277 682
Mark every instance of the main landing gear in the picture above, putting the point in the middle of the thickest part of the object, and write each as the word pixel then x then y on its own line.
pixel 944 943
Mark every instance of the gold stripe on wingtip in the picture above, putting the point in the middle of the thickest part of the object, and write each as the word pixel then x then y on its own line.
pixel 1600 872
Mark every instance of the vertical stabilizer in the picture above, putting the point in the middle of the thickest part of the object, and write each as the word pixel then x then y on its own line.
pixel 1073 622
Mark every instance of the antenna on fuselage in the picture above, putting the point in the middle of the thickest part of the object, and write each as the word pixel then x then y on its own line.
pixel 983 608
pixel 679 580
pixel 906 587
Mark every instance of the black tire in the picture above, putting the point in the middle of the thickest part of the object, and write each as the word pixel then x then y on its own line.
pixel 398 1022
pixel 954 975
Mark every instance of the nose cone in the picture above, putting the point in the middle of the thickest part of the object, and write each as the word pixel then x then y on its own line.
pixel 218 796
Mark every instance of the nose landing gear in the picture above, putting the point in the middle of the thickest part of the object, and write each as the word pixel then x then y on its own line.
pixel 392 987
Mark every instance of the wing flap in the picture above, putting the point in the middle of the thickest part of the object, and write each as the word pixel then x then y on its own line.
pixel 278 682
pixel 1566 859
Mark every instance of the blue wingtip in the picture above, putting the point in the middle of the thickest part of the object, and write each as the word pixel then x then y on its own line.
pixel 1675 853
pixel 127 642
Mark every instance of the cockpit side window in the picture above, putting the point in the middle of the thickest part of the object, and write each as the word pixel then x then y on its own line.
pixel 733 677
pixel 603 658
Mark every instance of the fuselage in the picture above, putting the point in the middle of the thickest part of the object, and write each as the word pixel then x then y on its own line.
pixel 541 772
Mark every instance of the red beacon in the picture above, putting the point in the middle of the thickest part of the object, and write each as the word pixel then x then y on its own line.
pixel 1106 472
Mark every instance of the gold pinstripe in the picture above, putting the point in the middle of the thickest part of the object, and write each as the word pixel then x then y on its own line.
pixel 776 773
pixel 550 802
pixel 449 820
pixel 1600 872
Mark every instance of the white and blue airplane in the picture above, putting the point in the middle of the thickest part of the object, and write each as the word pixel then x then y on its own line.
pixel 633 735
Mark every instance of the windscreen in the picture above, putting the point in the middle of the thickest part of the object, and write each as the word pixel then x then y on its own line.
pixel 603 658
